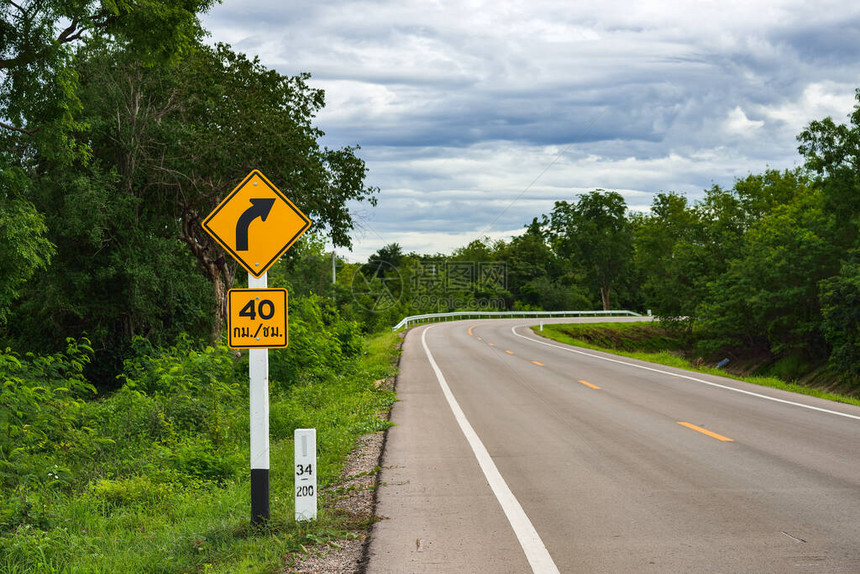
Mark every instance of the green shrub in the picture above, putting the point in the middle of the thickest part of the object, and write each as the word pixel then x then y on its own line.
pixel 181 369
pixel 43 422
pixel 128 491
pixel 41 396
pixel 840 309
pixel 201 461
pixel 165 495
pixel 790 367
pixel 321 343
pixel 192 387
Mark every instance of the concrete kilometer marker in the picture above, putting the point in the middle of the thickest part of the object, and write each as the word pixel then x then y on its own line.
pixel 305 443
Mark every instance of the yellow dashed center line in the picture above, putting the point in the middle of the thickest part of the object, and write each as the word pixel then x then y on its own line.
pixel 589 385
pixel 470 329
pixel 537 363
pixel 706 432
pixel 491 344
pixel 509 352
pixel 480 339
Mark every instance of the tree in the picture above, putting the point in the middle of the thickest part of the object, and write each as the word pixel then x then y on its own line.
pixel 832 154
pixel 23 247
pixel 769 296
pixel 386 260
pixel 168 142
pixel 527 257
pixel 594 233
pixel 840 308
pixel 668 259
pixel 181 137
pixel 681 249
pixel 37 38
pixel 40 109
pixel 536 276
pixel 119 271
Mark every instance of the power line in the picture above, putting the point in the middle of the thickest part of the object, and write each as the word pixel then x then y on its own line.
pixel 540 175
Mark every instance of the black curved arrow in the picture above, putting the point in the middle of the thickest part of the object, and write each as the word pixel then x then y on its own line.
pixel 260 207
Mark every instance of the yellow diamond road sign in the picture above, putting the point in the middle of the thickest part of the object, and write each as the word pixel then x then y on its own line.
pixel 257 318
pixel 256 223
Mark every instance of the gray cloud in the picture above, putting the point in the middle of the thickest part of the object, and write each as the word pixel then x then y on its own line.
pixel 478 115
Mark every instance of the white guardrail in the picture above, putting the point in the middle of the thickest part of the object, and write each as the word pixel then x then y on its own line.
pixel 432 317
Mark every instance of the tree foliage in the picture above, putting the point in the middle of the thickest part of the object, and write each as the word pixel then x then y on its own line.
pixel 840 307
pixel 178 138
pixel 832 153
pixel 768 297
pixel 594 235
pixel 38 37
pixel 669 258
pixel 155 129
pixel 23 246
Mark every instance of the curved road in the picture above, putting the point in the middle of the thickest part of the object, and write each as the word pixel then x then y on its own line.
pixel 513 453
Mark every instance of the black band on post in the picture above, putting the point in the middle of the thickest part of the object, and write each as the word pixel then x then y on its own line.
pixel 259 495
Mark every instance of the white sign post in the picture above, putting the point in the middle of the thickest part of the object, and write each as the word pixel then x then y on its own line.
pixel 258 371
pixel 256 224
pixel 306 473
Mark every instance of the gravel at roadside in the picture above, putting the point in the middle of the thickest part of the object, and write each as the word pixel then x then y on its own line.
pixel 356 494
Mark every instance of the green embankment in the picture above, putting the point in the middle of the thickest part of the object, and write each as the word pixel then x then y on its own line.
pixel 650 342
pixel 154 477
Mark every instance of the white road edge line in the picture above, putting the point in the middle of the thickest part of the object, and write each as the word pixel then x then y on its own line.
pixel 530 541
pixel 687 377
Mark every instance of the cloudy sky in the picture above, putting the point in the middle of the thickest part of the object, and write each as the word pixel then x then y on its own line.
pixel 475 116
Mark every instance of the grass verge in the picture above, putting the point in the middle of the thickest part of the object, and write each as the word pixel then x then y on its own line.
pixel 648 342
pixel 141 524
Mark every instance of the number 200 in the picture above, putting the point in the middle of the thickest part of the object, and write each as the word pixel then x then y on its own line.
pixel 305 490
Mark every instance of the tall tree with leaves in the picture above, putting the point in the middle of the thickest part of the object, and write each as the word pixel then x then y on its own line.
pixel 233 115
pixel 768 299
pixel 668 260
pixel 594 233
pixel 38 37
pixel 681 249
pixel 386 260
pixel 39 106
pixel 168 143
pixel 832 154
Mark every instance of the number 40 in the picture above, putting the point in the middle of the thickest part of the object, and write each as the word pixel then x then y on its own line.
pixel 266 310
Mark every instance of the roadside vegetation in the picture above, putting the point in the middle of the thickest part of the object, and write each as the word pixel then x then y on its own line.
pixel 124 418
pixel 652 342
pixel 154 477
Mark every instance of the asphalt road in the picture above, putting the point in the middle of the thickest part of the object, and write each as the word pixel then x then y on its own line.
pixel 512 453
